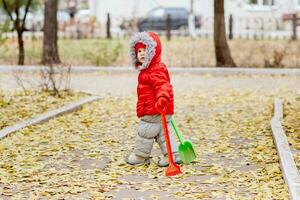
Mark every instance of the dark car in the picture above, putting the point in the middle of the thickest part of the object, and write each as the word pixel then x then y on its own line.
pixel 157 19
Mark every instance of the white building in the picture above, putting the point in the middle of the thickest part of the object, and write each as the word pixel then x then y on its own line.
pixel 253 18
pixel 249 16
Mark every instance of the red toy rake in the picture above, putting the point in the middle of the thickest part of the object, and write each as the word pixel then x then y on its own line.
pixel 172 169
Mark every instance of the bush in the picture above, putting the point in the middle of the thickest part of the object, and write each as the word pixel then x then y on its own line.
pixel 273 58
pixel 3 28
pixel 103 52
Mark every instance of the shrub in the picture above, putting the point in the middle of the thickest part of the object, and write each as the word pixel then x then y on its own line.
pixel 103 52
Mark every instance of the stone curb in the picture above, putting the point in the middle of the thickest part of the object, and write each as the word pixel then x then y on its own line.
pixel 47 116
pixel 197 70
pixel 288 167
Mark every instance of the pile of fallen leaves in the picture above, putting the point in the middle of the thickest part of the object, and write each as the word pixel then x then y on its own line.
pixel 80 155
pixel 19 105
pixel 291 124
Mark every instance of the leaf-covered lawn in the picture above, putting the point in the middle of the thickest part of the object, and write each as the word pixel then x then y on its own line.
pixel 18 105
pixel 80 155
pixel 291 124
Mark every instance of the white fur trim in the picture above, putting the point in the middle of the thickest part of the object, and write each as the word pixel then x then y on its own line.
pixel 146 39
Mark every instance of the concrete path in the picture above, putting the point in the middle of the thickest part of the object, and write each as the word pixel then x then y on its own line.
pixel 226 117
pixel 124 83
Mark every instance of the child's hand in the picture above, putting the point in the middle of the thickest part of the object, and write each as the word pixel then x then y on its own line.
pixel 161 104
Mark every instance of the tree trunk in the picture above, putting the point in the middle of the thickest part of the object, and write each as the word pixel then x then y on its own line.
pixel 50 49
pixel 222 51
pixel 108 33
pixel 21 48
pixel 168 27
pixel 19 29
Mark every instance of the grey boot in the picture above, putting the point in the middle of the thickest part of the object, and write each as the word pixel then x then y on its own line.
pixel 134 159
pixel 164 160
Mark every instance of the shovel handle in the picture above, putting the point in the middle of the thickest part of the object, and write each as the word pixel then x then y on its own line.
pixel 179 136
pixel 169 150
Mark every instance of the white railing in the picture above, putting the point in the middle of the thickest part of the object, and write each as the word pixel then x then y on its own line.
pixel 242 27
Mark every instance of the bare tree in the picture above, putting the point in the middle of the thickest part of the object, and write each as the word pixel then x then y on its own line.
pixel 50 49
pixel 12 8
pixel 54 79
pixel 25 81
pixel 222 51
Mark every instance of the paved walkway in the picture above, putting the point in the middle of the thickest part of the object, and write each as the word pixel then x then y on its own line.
pixel 80 155
pixel 124 83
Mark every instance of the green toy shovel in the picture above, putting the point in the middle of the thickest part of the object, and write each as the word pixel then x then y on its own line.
pixel 186 150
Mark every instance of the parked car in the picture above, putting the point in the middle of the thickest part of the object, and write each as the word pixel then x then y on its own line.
pixel 157 19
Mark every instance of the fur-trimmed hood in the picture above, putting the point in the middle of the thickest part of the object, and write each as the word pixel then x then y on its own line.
pixel 153 49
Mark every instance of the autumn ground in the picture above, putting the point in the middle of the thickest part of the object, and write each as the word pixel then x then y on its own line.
pixel 291 123
pixel 19 105
pixel 80 155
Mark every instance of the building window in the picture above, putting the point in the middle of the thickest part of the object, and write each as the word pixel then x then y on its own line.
pixel 298 2
pixel 254 2
pixel 268 2
pixel 263 2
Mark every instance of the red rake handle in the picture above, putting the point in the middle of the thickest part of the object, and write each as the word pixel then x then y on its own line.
pixel 172 169
pixel 169 150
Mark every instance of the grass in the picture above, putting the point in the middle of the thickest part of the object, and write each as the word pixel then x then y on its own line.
pixel 179 52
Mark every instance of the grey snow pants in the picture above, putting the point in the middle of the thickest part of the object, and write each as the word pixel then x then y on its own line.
pixel 149 129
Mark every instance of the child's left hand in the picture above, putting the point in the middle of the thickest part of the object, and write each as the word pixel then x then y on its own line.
pixel 161 104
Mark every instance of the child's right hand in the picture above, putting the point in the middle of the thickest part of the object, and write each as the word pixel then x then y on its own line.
pixel 161 104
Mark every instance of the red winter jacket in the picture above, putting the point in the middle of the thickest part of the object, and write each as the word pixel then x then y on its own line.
pixel 153 79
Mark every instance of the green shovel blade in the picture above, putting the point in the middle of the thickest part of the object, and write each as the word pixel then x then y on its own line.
pixel 186 150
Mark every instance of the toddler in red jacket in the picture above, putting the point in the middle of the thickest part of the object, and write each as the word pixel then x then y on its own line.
pixel 155 95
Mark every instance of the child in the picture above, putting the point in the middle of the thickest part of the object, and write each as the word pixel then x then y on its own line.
pixel 155 95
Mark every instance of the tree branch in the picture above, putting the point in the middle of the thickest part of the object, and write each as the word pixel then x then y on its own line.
pixel 26 11
pixel 6 8
pixel 17 22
